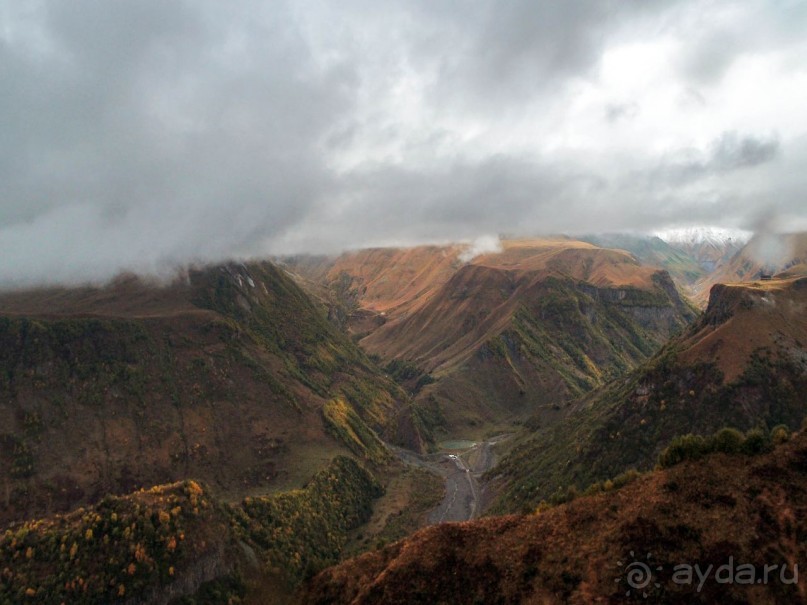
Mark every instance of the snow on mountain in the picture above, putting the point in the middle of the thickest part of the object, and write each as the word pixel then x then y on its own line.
pixel 717 236
pixel 709 246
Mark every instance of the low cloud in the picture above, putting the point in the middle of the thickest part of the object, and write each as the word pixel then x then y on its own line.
pixel 144 135
pixel 487 244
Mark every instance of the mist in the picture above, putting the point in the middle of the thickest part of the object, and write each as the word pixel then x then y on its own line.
pixel 143 136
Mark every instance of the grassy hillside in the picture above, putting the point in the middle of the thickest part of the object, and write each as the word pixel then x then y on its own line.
pixel 177 543
pixel 485 342
pixel 513 334
pixel 225 376
pixel 722 510
pixel 742 365
pixel 654 252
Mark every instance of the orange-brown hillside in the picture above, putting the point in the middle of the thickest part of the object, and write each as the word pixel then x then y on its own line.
pixel 738 509
pixel 744 317
pixel 493 339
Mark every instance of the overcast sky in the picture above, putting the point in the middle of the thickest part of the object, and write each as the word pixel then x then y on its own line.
pixel 136 135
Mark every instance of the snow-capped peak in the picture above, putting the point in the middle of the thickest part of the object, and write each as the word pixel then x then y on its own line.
pixel 704 235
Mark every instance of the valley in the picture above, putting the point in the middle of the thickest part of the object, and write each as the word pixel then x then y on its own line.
pixel 461 466
pixel 329 408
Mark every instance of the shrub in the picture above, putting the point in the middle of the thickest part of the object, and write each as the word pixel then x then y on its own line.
pixel 780 434
pixel 683 447
pixel 756 441
pixel 728 441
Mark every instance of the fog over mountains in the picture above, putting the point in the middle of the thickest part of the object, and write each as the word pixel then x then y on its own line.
pixel 144 135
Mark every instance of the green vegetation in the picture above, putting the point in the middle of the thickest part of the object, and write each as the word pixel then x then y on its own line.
pixel 653 251
pixel 427 495
pixel 626 423
pixel 301 532
pixel 122 548
pixel 208 393
pixel 727 440
pixel 133 547
pixel 346 426
pixel 584 334
pixel 408 374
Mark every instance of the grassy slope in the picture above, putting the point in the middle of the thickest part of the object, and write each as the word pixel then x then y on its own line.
pixel 486 343
pixel 752 509
pixel 655 252
pixel 741 365
pixel 765 253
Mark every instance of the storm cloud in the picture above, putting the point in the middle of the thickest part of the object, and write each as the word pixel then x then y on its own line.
pixel 144 135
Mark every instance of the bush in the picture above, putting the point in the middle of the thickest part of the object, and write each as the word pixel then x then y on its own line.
pixel 780 434
pixel 728 441
pixel 684 447
pixel 757 441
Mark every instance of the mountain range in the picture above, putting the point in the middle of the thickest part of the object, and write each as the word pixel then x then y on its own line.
pixel 228 435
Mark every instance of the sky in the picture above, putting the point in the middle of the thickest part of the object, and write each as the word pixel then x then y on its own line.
pixel 142 135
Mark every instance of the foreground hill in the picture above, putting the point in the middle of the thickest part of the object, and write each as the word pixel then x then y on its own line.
pixel 743 364
pixel 231 375
pixel 723 511
pixel 177 543
pixel 502 336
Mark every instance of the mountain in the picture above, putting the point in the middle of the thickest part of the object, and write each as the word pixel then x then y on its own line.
pixel 765 254
pixel 743 364
pixel 231 375
pixel 484 342
pixel 655 252
pixel 728 514
pixel 709 247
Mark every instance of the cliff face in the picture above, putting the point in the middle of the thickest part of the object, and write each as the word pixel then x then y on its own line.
pixel 222 377
pixel 743 364
pixel 502 344
pixel 768 254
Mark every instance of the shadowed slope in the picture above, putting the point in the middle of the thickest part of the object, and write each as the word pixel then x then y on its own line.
pixel 232 375
pixel 749 509
pixel 744 364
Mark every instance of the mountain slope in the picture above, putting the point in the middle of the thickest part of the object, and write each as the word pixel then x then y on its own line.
pixel 709 247
pixel 176 542
pixel 232 375
pixel 655 252
pixel 540 322
pixel 743 364
pixel 721 511
pixel 764 254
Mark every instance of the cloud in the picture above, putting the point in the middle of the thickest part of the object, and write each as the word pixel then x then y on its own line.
pixel 486 244
pixel 143 135
pixel 732 151
pixel 621 111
